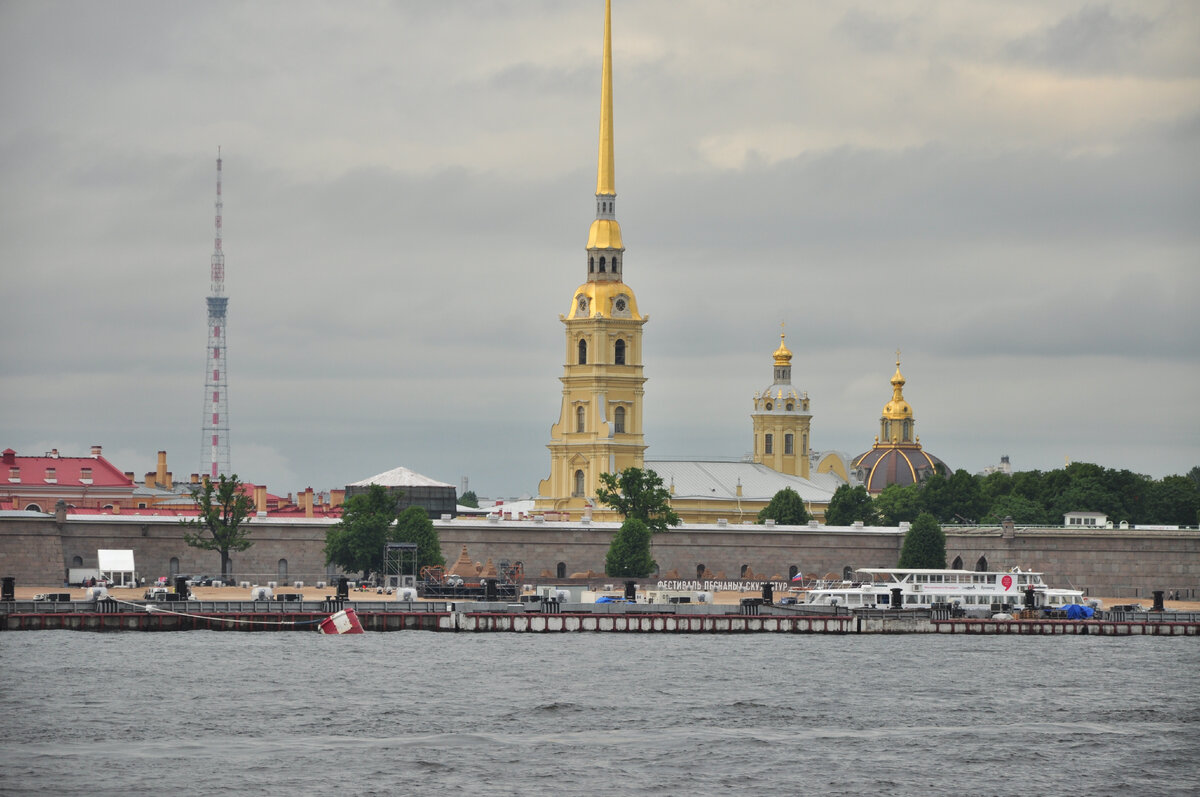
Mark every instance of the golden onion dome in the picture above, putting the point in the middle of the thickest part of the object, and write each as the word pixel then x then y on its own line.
pixel 605 234
pixel 783 355
pixel 608 299
pixel 897 408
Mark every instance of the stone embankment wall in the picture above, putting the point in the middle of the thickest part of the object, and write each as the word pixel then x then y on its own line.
pixel 1114 563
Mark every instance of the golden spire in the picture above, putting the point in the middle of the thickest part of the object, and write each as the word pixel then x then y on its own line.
pixel 606 180
pixel 897 408
pixel 783 355
pixel 605 232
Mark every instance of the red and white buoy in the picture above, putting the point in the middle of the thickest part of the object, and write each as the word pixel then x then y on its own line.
pixel 343 622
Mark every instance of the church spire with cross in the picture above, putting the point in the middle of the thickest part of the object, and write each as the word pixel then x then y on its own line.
pixel 600 422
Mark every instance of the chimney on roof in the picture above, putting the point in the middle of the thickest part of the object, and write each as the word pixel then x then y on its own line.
pixel 308 502
pixel 160 476
pixel 9 456
pixel 260 498
pixel 52 453
pixel 96 451
pixel 337 497
pixel 170 481
pixel 129 475
pixel 150 479
pixel 195 478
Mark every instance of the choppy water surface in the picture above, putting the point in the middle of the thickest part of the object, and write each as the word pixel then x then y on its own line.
pixel 582 714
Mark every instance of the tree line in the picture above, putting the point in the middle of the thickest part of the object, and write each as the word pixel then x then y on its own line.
pixel 1030 498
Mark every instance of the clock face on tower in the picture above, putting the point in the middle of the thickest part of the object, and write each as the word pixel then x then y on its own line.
pixel 620 305
pixel 582 304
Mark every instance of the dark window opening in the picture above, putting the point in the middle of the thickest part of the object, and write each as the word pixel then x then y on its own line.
pixel 583 352
pixel 619 353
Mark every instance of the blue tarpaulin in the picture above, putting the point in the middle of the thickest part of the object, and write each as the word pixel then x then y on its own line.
pixel 1078 612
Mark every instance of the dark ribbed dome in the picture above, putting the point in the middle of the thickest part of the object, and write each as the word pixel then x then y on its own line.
pixel 900 464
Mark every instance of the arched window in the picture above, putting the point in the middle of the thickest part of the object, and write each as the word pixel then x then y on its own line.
pixel 619 352
pixel 173 566
pixel 282 570
pixel 579 418
pixel 790 406
pixel 908 431
pixel 561 570
pixel 601 264
pixel 700 568
pixel 591 265
pixel 578 483
pixel 76 561
pixel 619 420
pixel 769 444
pixel 583 352
pixel 956 564
pixel 788 443
pixel 33 508
pixel 616 265
pixel 981 566
pixel 847 573
pixel 742 573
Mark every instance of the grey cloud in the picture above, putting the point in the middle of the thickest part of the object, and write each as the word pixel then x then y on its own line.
pixel 1092 40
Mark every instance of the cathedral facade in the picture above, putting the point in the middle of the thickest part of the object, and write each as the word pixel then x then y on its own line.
pixel 600 424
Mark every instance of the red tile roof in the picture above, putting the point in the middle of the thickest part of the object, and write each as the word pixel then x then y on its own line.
pixel 67 470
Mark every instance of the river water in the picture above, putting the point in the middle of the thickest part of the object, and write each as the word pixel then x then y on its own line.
pixel 588 714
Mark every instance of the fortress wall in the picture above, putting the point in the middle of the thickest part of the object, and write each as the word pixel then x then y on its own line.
pixel 1114 563
pixel 32 551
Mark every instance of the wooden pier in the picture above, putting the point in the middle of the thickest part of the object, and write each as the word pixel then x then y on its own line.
pixel 484 618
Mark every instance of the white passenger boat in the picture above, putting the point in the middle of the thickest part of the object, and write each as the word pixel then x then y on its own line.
pixel 921 588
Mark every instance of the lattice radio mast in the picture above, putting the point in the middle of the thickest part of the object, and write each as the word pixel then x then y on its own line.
pixel 214 443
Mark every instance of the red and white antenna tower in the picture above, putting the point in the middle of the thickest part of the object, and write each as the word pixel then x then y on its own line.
pixel 214 442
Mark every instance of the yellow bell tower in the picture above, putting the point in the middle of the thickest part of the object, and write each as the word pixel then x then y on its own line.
pixel 781 420
pixel 599 428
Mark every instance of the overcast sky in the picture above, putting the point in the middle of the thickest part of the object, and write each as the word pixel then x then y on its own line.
pixel 1009 193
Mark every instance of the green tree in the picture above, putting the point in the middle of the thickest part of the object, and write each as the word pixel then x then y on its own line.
pixel 1173 501
pixel 414 525
pixel 850 504
pixel 629 552
pixel 965 503
pixel 637 493
pixel 898 504
pixel 786 508
pixel 924 544
pixel 936 496
pixel 995 485
pixel 355 543
pixel 1021 510
pixel 469 499
pixel 224 509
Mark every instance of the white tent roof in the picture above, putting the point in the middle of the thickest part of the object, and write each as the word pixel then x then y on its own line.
pixel 400 477
pixel 115 561
pixel 719 480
